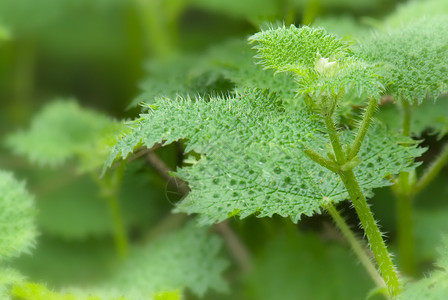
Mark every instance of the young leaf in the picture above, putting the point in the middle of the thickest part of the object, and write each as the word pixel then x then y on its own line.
pixel 17 212
pixel 416 59
pixel 63 130
pixel 234 60
pixel 253 158
pixel 325 65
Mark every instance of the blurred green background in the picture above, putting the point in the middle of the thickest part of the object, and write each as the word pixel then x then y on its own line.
pixel 105 54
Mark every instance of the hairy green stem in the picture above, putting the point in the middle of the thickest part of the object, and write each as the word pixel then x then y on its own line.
pixel 335 141
pixel 324 162
pixel 365 215
pixel 362 130
pixel 372 232
pixel 432 171
pixel 405 224
pixel 356 245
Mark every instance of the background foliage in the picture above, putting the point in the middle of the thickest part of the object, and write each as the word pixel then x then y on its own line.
pixel 71 71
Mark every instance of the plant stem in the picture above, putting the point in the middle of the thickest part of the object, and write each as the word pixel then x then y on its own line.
pixel 109 189
pixel 432 171
pixel 372 232
pixel 406 241
pixel 362 131
pixel 405 224
pixel 365 215
pixel 121 240
pixel 335 141
pixel 324 162
pixel 406 118
pixel 356 245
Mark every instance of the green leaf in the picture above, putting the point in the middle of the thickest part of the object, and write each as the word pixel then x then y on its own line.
pixel 63 130
pixel 175 295
pixel 294 49
pixel 188 258
pixel 415 57
pixel 17 212
pixel 253 159
pixel 304 266
pixel 234 60
pixel 325 65
pixel 434 286
pixel 8 278
pixel 410 11
pixel 179 76
pixel 34 291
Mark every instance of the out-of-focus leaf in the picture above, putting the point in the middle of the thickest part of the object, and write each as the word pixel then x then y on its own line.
pixel 409 11
pixel 17 212
pixel 8 278
pixel 434 286
pixel 63 130
pixel 186 259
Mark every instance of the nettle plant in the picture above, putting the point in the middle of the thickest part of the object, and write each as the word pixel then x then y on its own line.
pixel 256 152
pixel 296 136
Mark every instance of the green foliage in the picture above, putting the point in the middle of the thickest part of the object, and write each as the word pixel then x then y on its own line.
pixel 410 11
pixel 415 57
pixel 240 172
pixel 177 76
pixel 294 49
pixel 8 278
pixel 302 261
pixel 234 60
pixel 433 287
pixel 33 291
pixel 325 65
pixel 63 130
pixel 17 212
pixel 186 259
pixel 175 295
